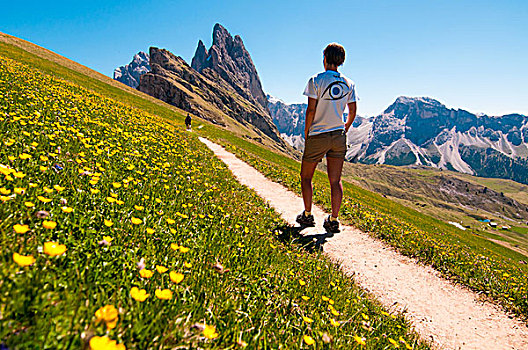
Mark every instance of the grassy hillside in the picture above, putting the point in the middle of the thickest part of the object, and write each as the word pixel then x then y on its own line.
pixel 451 196
pixel 119 229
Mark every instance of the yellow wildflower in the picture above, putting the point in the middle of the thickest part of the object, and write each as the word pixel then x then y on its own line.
pixel 187 265
pixel 108 223
pixel 307 319
pixel 146 273
pixel 302 283
pixel 139 294
pixel 136 221
pixel 67 209
pixel 104 343
pixel 174 246
pixel 308 340
pixel 394 343
pixel 23 260
pixel 165 294
pixel 59 188
pixel 54 248
pixel 20 190
pixel 176 277
pixel 183 249
pixel 43 199
pixel 161 269
pixel 334 323
pixel 359 340
pixel 150 231
pixel 210 332
pixel 49 224
pixel 29 204
pixel 107 314
pixel 21 228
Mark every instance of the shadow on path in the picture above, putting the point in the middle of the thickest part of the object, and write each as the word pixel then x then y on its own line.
pixel 292 234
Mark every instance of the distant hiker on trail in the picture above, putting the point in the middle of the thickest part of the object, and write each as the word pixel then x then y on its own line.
pixel 188 122
pixel 325 132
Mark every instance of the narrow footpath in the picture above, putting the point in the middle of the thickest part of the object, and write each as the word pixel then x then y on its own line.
pixel 449 315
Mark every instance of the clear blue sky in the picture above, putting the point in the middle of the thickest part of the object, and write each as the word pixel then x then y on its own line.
pixel 467 54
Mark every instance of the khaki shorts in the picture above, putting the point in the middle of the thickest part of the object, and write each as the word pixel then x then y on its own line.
pixel 332 144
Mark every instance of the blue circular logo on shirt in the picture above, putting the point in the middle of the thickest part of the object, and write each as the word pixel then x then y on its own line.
pixel 336 90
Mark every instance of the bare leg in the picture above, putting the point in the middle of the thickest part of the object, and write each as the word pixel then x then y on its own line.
pixel 307 171
pixel 334 168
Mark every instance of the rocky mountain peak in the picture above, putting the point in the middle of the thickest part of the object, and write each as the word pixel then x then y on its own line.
pixel 206 94
pixel 200 56
pixel 130 73
pixel 140 57
pixel 403 105
pixel 229 59
pixel 221 37
pixel 164 59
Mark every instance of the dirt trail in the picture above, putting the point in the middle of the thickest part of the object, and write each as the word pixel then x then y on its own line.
pixel 449 315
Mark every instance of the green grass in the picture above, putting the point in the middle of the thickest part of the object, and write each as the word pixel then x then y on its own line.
pixel 114 188
pixel 522 230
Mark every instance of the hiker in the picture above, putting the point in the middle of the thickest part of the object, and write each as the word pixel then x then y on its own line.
pixel 188 122
pixel 325 132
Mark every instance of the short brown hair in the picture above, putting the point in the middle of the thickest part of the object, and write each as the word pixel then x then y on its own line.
pixel 334 54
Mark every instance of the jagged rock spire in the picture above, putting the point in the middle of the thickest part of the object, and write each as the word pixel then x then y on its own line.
pixel 229 58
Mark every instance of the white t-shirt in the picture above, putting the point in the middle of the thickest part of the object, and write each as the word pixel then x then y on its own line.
pixel 333 92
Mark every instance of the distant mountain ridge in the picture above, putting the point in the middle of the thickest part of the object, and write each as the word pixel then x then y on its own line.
pixel 289 119
pixel 130 73
pixel 421 131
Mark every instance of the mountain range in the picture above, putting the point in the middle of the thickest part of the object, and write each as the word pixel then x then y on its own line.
pixel 421 131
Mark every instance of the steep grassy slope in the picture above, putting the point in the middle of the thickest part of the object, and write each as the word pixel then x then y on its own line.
pixel 117 226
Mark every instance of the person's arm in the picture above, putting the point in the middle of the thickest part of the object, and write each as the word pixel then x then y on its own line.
pixel 310 113
pixel 352 109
